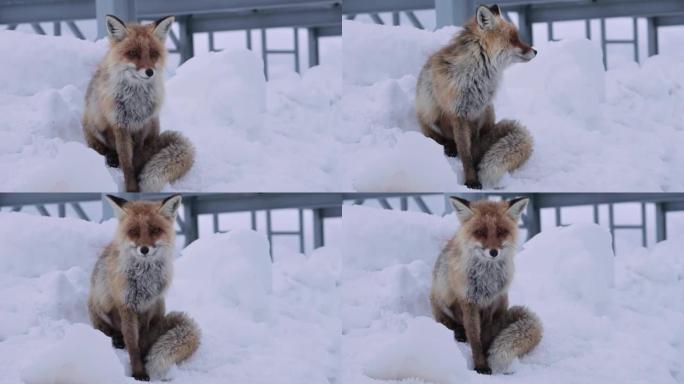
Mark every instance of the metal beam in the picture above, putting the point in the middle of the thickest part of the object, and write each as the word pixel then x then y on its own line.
pixel 553 11
pixel 350 7
pixel 453 12
pixel 27 11
pixel 669 20
pixel 266 19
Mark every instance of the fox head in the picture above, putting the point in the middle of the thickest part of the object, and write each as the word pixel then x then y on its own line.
pixel 138 49
pixel 146 228
pixel 499 37
pixel 489 229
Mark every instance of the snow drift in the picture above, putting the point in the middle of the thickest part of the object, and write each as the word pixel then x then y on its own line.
pixel 621 127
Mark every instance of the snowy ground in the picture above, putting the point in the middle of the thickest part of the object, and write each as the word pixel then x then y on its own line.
pixel 593 130
pixel 607 319
pixel 251 135
pixel 261 322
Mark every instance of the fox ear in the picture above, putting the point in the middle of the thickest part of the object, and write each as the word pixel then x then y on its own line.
pixel 117 204
pixel 115 28
pixel 495 9
pixel 462 208
pixel 163 26
pixel 486 19
pixel 516 207
pixel 169 206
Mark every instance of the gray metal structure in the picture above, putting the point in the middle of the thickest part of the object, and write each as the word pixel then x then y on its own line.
pixel 321 18
pixel 664 203
pixel 658 13
pixel 321 205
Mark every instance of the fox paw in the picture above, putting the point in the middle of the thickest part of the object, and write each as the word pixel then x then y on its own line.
pixel 118 342
pixel 450 150
pixel 483 370
pixel 473 184
pixel 141 376
pixel 460 336
pixel 112 160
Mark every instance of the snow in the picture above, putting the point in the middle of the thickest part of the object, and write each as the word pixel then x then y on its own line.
pixel 585 121
pixel 68 362
pixel 242 126
pixel 607 318
pixel 261 322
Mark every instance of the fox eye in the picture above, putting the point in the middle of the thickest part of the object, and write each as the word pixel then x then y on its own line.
pixel 500 232
pixel 154 54
pixel 154 231
pixel 133 53
pixel 481 233
pixel 134 232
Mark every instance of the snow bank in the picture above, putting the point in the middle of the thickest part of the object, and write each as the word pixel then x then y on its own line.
pixel 600 312
pixel 84 356
pixel 424 351
pixel 36 63
pixel 574 262
pixel 41 248
pixel 584 121
pixel 235 269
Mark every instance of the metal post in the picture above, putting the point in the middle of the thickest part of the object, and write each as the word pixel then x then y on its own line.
pixel 314 55
pixel 215 222
pixel 190 220
pixel 264 52
pixel 596 213
pixel 248 35
pixel 123 9
pixel 403 203
pixel 652 36
pixel 296 49
pixel 57 28
pixel 396 19
pixel 644 234
pixel 559 222
pixel 532 220
pixel 318 228
pixel 549 31
pixel 187 45
pixel 604 44
pixel 253 220
pixel 525 26
pixel 661 222
pixel 611 225
pixel 635 25
pixel 453 12
pixel 301 230
pixel 587 29
pixel 211 41
pixel 61 210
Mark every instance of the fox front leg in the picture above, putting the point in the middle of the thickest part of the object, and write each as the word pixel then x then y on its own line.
pixel 130 327
pixel 124 147
pixel 471 323
pixel 463 136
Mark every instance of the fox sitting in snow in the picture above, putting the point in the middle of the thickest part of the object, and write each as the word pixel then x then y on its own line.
pixel 128 284
pixel 470 283
pixel 454 98
pixel 121 117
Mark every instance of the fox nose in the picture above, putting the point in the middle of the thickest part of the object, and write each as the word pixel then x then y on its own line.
pixel 494 252
pixel 144 250
pixel 149 72
pixel 535 51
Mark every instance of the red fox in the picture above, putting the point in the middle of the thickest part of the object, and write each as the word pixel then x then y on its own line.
pixel 128 284
pixel 470 285
pixel 121 117
pixel 454 97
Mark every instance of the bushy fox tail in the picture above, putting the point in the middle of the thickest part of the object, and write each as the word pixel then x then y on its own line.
pixel 179 339
pixel 511 149
pixel 524 332
pixel 174 156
